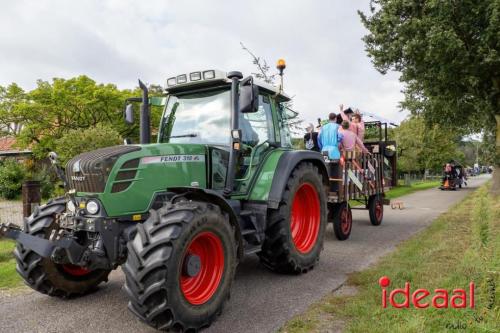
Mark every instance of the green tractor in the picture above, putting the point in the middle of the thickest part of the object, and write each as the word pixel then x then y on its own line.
pixel 222 181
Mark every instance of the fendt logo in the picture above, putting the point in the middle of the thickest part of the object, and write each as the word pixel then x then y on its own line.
pixel 439 299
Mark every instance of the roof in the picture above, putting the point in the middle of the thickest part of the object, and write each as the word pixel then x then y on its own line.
pixel 6 143
pixel 7 147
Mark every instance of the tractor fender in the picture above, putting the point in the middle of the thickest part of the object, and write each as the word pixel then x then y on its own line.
pixel 231 207
pixel 286 164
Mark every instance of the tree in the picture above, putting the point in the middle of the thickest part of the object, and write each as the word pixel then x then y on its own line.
pixel 264 73
pixel 42 116
pixel 425 147
pixel 78 141
pixel 448 53
pixel 52 109
pixel 10 98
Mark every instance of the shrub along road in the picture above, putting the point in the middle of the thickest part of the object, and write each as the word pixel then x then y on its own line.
pixel 261 301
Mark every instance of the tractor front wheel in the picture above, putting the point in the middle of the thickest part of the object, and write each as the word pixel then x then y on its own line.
pixel 180 266
pixel 42 274
pixel 295 231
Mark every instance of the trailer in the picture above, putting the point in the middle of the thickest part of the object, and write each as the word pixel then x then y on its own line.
pixel 360 181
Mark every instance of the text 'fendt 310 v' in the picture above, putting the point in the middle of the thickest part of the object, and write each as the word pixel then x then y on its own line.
pixel 221 182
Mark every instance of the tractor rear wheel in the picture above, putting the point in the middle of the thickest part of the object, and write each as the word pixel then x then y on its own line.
pixel 295 231
pixel 42 274
pixel 376 209
pixel 180 266
pixel 342 221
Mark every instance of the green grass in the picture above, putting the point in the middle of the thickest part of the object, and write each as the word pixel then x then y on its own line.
pixel 8 275
pixel 462 245
pixel 404 190
pixel 401 190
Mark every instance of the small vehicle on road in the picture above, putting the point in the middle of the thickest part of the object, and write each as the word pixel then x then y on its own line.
pixel 221 181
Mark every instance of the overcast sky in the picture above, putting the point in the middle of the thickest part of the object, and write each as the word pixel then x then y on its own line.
pixel 118 41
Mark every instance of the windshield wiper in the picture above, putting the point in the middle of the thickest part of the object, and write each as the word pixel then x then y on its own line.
pixel 191 135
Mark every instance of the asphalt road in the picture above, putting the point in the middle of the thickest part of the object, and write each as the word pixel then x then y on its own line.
pixel 261 301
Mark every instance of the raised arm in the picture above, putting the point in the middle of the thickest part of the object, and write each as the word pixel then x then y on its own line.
pixel 342 113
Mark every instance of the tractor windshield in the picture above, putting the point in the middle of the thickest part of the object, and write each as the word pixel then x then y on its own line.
pixel 202 117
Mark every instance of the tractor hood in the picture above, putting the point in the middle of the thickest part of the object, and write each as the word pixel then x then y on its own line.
pixel 126 178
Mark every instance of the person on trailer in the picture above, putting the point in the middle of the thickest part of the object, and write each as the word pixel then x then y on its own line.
pixel 330 137
pixel 311 139
pixel 356 124
pixel 350 141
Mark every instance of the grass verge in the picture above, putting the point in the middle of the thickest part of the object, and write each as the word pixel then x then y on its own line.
pixel 462 245
pixel 8 275
pixel 401 190
pixel 404 190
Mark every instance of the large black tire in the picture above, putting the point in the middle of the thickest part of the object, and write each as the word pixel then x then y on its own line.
pixel 42 274
pixel 303 208
pixel 155 269
pixel 342 221
pixel 376 209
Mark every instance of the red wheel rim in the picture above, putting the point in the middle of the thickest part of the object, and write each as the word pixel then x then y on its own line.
pixel 345 220
pixel 200 288
pixel 75 270
pixel 379 211
pixel 305 218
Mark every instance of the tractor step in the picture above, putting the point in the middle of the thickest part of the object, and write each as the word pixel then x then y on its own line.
pixel 252 249
pixel 248 232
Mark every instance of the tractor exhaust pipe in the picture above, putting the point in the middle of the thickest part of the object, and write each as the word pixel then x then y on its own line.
pixel 145 119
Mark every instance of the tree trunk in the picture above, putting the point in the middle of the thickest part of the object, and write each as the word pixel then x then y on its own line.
pixel 495 186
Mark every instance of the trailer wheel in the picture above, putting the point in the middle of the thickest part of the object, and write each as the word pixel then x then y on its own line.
pixel 180 266
pixel 376 209
pixel 295 231
pixel 42 274
pixel 342 221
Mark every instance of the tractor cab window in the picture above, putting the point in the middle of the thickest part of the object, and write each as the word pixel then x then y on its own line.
pixel 202 117
pixel 257 127
pixel 285 115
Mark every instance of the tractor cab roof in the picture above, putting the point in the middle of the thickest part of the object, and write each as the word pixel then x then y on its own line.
pixel 213 78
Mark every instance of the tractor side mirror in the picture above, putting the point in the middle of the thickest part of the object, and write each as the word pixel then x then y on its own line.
pixel 249 96
pixel 129 114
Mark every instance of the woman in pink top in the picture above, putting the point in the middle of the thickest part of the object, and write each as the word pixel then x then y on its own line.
pixel 356 124
pixel 350 140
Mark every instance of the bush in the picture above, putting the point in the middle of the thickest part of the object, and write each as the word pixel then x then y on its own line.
pixel 48 182
pixel 12 175
pixel 75 142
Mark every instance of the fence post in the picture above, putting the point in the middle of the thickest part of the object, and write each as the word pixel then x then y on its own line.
pixel 32 196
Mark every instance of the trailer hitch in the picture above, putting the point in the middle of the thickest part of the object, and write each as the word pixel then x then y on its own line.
pixel 42 246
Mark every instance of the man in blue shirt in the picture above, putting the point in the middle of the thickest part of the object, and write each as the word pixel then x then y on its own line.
pixel 329 138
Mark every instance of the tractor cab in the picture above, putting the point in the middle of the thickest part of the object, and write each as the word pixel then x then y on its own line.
pixel 198 111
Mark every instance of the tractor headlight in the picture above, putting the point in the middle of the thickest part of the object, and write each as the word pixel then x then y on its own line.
pixel 195 76
pixel 207 75
pixel 71 206
pixel 171 82
pixel 92 207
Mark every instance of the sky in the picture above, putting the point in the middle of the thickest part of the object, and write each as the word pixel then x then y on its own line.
pixel 119 41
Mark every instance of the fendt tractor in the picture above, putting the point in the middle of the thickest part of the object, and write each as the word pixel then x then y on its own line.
pixel 222 181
